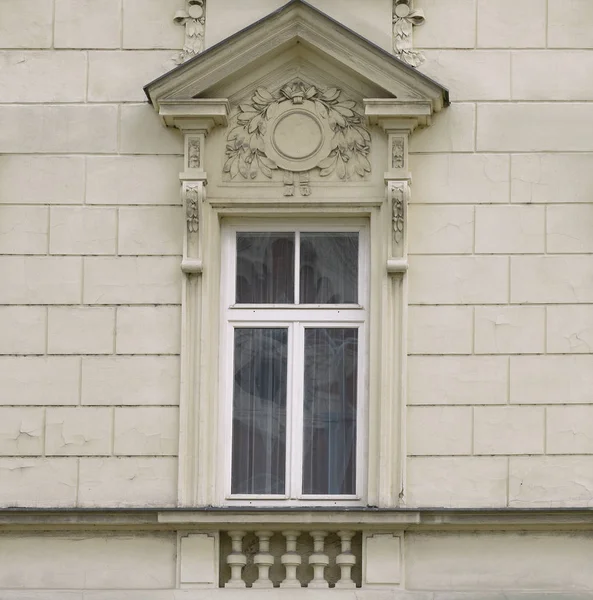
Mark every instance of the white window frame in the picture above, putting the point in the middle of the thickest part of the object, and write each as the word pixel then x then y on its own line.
pixel 295 318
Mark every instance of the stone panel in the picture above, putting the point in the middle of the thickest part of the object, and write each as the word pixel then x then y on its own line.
pixel 53 129
pixel 23 329
pixel 80 330
pixel 440 329
pixel 511 24
pixel 569 228
pixel 452 130
pixel 87 24
pixel 458 279
pixel 23 229
pixel 142 132
pixel 75 230
pixel 121 482
pixel 456 482
pixel 570 329
pixel 439 430
pixel 457 380
pixel 149 24
pixel 37 14
pixel 39 380
pixel 148 330
pixel 451 25
pixel 551 481
pixel 551 379
pixel 440 229
pixel 569 429
pixel 78 431
pixel 509 430
pixel 130 380
pixel 148 230
pixel 21 431
pixel 460 178
pixel 569 24
pixel 35 483
pixel 63 75
pixel 152 431
pixel 41 179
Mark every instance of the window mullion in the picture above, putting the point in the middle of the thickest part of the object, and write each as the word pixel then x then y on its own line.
pixel 297 267
pixel 296 422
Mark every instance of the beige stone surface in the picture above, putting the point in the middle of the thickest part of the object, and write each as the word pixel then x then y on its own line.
pixel 23 329
pixel 36 14
pixel 63 74
pixel 58 128
pixel 509 430
pixel 132 280
pixel 148 330
pixel 79 431
pixel 441 229
pixel 440 329
pixel 130 380
pixel 439 430
pixel 569 228
pixel 551 379
pixel 133 180
pixel 510 229
pixel 510 329
pixel 551 279
pixel 121 482
pixel 150 230
pixel 517 127
pixel 568 24
pixel 141 132
pixel 570 329
pixel 478 562
pixel 553 178
pixel 551 481
pixel 459 178
pixel 87 23
pixel 37 482
pixel 23 229
pixel 569 429
pixel 87 561
pixel 457 380
pixel 510 24
pixel 459 481
pixel 149 24
pixel 83 230
pixel 39 380
pixel 458 279
pixel 152 431
pixel 453 131
pixel 451 25
pixel 80 330
pixel 21 431
pixel 33 179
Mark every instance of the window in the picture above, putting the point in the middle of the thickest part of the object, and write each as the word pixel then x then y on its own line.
pixel 295 308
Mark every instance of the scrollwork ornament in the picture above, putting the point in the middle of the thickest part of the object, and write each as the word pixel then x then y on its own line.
pixel 194 20
pixel 348 151
pixel 397 153
pixel 193 153
pixel 398 198
pixel 404 20
pixel 192 203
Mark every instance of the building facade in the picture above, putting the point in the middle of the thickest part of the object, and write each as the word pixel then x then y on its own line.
pixel 296 298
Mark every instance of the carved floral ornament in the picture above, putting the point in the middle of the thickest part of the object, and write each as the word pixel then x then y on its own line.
pixel 296 129
pixel 404 20
pixel 194 20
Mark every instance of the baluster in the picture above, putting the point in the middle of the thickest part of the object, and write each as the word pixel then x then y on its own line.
pixel 346 560
pixel 291 560
pixel 236 560
pixel 264 560
pixel 318 560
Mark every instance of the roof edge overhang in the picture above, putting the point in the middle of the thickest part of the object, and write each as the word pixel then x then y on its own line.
pixel 297 22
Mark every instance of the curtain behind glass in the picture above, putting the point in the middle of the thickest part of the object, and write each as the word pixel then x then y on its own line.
pixel 259 411
pixel 329 268
pixel 329 428
pixel 265 268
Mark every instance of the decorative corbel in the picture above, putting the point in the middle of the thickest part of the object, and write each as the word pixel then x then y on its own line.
pixel 404 20
pixel 194 20
pixel 193 193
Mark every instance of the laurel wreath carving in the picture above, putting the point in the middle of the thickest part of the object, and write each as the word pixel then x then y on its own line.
pixel 350 144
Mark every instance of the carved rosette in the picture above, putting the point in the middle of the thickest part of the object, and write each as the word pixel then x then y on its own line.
pixel 404 20
pixel 194 20
pixel 297 130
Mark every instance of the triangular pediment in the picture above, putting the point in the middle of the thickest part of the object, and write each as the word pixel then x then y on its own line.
pixel 301 40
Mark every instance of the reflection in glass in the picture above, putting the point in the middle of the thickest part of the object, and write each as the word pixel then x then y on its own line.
pixel 329 268
pixel 265 268
pixel 259 411
pixel 329 429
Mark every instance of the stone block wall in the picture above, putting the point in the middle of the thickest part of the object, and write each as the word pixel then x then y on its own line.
pixel 501 241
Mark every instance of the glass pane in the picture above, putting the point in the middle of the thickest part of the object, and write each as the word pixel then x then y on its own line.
pixel 329 268
pixel 329 436
pixel 265 268
pixel 259 411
